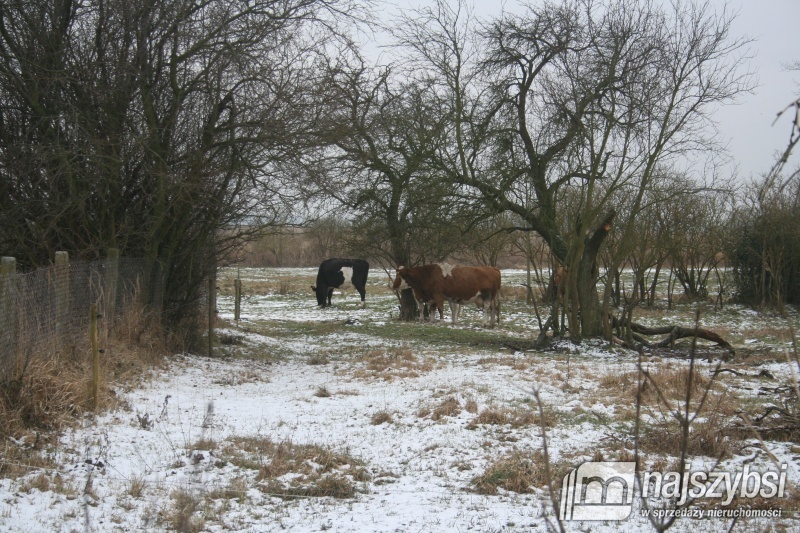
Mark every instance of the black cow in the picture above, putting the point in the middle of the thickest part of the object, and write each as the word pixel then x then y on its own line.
pixel 340 274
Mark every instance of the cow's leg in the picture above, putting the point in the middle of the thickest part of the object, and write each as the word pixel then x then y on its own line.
pixel 438 306
pixel 330 294
pixel 363 292
pixel 453 310
pixel 487 310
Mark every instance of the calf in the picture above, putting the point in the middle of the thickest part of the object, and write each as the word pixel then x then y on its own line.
pixel 341 274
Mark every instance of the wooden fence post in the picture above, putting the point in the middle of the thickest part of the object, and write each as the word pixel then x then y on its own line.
pixel 237 295
pixel 62 294
pixel 95 355
pixel 8 310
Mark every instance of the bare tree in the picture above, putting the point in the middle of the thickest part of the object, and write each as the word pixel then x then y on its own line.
pixel 570 104
pixel 153 126
pixel 382 133
pixel 696 242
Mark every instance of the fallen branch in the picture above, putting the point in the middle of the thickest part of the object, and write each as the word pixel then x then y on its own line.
pixel 674 333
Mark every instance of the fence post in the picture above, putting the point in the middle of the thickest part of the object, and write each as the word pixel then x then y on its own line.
pixel 62 294
pixel 237 296
pixel 214 280
pixel 8 310
pixel 110 286
pixel 95 355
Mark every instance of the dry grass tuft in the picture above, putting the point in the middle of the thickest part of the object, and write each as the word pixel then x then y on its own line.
pixel 671 382
pixel 183 516
pixel 620 383
pixel 48 386
pixel 448 407
pixel 516 363
pixel 711 434
pixel 240 377
pixel 709 437
pixel 136 486
pixel 318 359
pixel 392 362
pixel 288 469
pixel 19 459
pixel 236 489
pixel 471 406
pixel 381 417
pixel 514 417
pixel 229 339
pixel 518 472
pixel 322 392
pixel 205 443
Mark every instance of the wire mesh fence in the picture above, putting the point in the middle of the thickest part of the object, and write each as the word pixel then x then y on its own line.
pixel 46 312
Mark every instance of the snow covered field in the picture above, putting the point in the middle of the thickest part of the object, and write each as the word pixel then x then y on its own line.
pixel 401 407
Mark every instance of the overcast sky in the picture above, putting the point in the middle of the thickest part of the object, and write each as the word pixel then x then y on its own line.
pixel 774 25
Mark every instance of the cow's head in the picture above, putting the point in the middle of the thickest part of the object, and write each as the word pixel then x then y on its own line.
pixel 320 296
pixel 400 282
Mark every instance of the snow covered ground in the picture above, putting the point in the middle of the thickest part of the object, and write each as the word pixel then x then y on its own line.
pixel 322 377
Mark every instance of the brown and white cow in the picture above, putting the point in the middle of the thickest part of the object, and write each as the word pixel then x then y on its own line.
pixel 435 283
pixel 427 282
pixel 479 285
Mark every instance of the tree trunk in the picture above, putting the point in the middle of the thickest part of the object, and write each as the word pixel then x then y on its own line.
pixel 408 306
pixel 651 296
pixel 591 319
